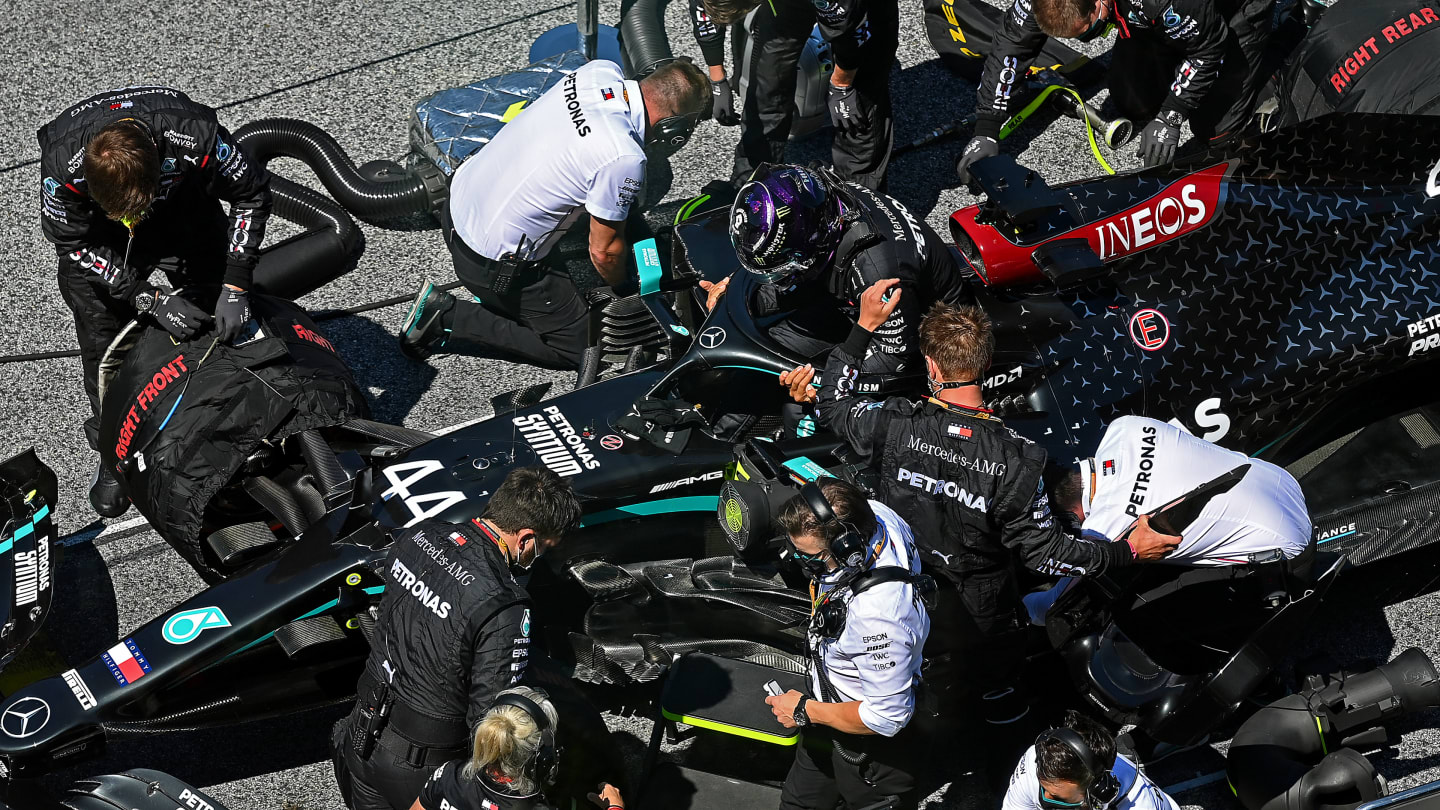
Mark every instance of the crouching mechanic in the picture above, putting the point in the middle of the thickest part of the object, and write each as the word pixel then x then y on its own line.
pixel 452 632
pixel 970 486
pixel 514 758
pixel 818 243
pixel 1175 61
pixel 132 181
pixel 1075 767
pixel 578 149
pixel 863 650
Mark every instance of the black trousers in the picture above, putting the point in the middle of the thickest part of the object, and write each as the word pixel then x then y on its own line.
pixel 820 781
pixel 769 106
pixel 543 323
pixel 385 780
pixel 1142 68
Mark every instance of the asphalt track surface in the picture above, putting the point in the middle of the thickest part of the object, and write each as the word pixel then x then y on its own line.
pixel 356 69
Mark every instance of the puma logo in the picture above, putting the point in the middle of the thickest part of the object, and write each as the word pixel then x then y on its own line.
pixel 193 160
pixel 946 557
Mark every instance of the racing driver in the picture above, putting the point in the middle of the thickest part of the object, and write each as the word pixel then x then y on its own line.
pixel 971 488
pixel 131 182
pixel 1175 61
pixel 452 632
pixel 819 243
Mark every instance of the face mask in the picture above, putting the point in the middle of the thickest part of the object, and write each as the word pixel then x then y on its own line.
pixel 1049 803
pixel 813 565
pixel 526 566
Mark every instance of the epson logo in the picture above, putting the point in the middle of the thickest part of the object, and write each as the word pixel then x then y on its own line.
pixel 685 482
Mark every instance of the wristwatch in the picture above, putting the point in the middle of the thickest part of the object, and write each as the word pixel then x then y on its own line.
pixel 145 300
pixel 799 716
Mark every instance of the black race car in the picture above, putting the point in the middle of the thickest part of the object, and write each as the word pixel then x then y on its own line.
pixel 1280 298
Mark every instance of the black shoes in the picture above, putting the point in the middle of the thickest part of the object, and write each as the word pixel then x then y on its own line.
pixel 107 497
pixel 424 330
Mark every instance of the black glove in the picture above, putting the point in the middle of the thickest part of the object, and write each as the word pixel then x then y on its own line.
pixel 979 148
pixel 722 100
pixel 1160 137
pixel 232 312
pixel 847 110
pixel 177 316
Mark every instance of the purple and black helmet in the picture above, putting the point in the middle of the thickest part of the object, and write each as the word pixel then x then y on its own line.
pixel 785 221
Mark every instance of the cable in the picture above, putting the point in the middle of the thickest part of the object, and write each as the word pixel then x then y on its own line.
pixel 321 315
pixel 1019 118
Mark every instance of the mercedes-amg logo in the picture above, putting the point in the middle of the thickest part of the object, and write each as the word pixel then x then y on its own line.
pixel 711 337
pixel 25 717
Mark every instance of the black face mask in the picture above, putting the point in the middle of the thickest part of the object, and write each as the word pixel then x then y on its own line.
pixel 814 565
pixel 1096 30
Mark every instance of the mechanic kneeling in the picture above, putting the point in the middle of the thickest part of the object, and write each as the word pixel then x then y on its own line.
pixel 863 650
pixel 1175 61
pixel 452 632
pixel 515 757
pixel 580 148
pixel 972 489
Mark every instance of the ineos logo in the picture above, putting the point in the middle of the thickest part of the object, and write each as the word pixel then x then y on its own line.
pixel 711 337
pixel 1432 185
pixel 25 717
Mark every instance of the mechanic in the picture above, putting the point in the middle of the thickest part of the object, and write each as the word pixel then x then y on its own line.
pixel 451 632
pixel 514 758
pixel 819 243
pixel 972 489
pixel 1175 61
pixel 580 148
pixel 867 629
pixel 132 182
pixel 711 38
pixel 1076 766
pixel 864 36
pixel 1144 464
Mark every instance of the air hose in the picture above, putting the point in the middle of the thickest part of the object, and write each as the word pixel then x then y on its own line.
pixel 370 199
pixel 1298 753
pixel 642 35
pixel 1115 132
pixel 305 263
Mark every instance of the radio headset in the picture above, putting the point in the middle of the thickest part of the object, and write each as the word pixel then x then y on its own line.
pixel 1104 787
pixel 671 133
pixel 546 761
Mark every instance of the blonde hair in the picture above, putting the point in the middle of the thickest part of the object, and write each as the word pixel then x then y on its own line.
pixel 507 739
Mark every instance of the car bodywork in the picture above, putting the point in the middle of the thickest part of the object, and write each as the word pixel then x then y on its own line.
pixel 1306 270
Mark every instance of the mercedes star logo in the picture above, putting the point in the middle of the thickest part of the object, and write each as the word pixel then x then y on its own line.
pixel 712 337
pixel 25 717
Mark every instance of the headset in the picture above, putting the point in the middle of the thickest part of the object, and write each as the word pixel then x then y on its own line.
pixel 1104 787
pixel 848 548
pixel 546 761
pixel 671 133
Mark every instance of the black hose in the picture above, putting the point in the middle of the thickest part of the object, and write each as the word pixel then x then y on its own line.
pixel 370 200
pixel 1293 754
pixel 305 263
pixel 642 36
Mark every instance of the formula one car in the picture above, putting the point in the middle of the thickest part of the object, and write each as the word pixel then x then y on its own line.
pixel 1280 299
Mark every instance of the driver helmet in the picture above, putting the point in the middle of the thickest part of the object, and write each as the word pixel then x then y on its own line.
pixel 785 222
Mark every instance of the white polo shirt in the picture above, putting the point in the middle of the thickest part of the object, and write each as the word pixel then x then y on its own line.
pixel 1137 792
pixel 876 659
pixel 580 146
pixel 1142 464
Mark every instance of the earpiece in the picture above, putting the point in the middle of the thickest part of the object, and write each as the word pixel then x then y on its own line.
pixel 546 762
pixel 671 133
pixel 1104 788
pixel 848 548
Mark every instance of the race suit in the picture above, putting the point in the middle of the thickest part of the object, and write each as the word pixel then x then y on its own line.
pixel 883 241
pixel 971 489
pixel 449 789
pixel 1200 58
pixel 709 35
pixel 186 233
pixel 864 36
pixel 453 631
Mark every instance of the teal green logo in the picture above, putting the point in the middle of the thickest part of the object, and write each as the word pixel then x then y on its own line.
pixel 680 329
pixel 185 626
pixel 525 624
